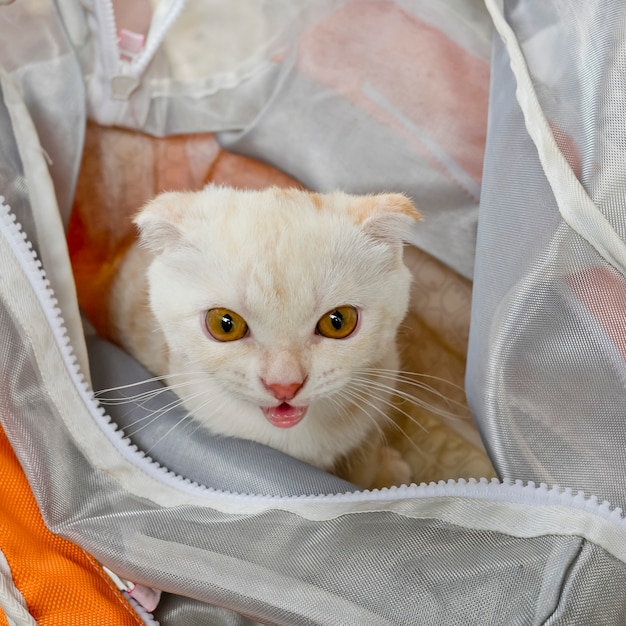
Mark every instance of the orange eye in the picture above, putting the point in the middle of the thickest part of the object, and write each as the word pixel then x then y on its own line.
pixel 225 325
pixel 338 323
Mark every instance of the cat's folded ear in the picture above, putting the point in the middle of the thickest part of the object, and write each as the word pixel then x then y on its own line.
pixel 158 221
pixel 388 216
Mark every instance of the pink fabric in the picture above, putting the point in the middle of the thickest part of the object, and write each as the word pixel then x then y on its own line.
pixel 437 91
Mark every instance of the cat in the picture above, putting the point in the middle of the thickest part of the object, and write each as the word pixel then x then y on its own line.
pixel 273 315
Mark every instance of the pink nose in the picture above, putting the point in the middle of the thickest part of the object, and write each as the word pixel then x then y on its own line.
pixel 283 392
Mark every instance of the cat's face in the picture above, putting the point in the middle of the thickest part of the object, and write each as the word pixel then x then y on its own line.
pixel 278 297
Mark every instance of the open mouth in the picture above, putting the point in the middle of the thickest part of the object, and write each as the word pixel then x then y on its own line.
pixel 284 415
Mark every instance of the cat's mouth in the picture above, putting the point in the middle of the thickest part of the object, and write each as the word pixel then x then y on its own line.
pixel 284 415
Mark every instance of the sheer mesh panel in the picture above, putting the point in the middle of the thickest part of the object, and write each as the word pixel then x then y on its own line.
pixel 546 365
pixel 598 577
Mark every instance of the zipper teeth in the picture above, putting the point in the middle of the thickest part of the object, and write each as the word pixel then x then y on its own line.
pixel 155 36
pixel 108 37
pixel 36 275
pixel 516 492
pixel 114 65
pixel 144 614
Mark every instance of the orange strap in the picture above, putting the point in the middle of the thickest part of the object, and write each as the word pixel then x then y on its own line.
pixel 61 583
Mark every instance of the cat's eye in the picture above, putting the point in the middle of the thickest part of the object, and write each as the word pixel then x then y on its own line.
pixel 225 325
pixel 338 323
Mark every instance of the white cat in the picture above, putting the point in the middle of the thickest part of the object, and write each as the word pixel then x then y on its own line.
pixel 274 314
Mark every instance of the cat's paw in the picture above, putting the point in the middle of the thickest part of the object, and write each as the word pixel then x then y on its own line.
pixel 392 469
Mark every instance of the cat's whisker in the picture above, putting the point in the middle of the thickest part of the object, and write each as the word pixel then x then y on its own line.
pixel 175 388
pixel 412 383
pixel 185 419
pixel 406 372
pixel 188 418
pixel 346 414
pixel 140 401
pixel 450 402
pixel 352 399
pixel 140 398
pixel 151 380
pixel 136 399
pixel 133 429
pixel 174 404
pixel 414 399
pixel 343 410
pixel 367 383
pixel 409 376
pixel 161 412
pixel 366 386
pixel 358 396
pixel 155 415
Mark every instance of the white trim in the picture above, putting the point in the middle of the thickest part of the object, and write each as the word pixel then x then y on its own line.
pixel 575 206
pixel 11 600
pixel 45 211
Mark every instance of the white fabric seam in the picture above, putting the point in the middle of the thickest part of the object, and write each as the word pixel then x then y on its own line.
pixel 574 204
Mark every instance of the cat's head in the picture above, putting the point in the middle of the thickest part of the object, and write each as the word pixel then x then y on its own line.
pixel 278 295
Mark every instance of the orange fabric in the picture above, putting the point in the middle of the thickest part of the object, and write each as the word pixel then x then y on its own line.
pixel 61 583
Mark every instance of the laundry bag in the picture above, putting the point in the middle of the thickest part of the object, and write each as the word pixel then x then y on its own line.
pixel 505 128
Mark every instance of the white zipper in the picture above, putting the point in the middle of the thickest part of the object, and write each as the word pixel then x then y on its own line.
pixel 33 269
pixel 32 266
pixel 163 18
pixel 106 32
pixel 147 617
pixel 124 76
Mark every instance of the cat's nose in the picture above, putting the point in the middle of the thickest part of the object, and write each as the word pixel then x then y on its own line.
pixel 283 392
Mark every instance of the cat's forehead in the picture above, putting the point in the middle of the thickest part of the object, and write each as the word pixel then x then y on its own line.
pixel 289 257
pixel 282 216
pixel 281 248
pixel 298 264
pixel 278 228
pixel 277 207
pixel 274 202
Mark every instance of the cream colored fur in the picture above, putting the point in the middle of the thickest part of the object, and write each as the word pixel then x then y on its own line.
pixel 280 259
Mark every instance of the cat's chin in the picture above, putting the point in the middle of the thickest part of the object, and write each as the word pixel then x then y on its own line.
pixel 284 415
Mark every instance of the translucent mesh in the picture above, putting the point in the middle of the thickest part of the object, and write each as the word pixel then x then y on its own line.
pixel 597 577
pixel 12 179
pixel 35 51
pixel 546 366
pixel 187 612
